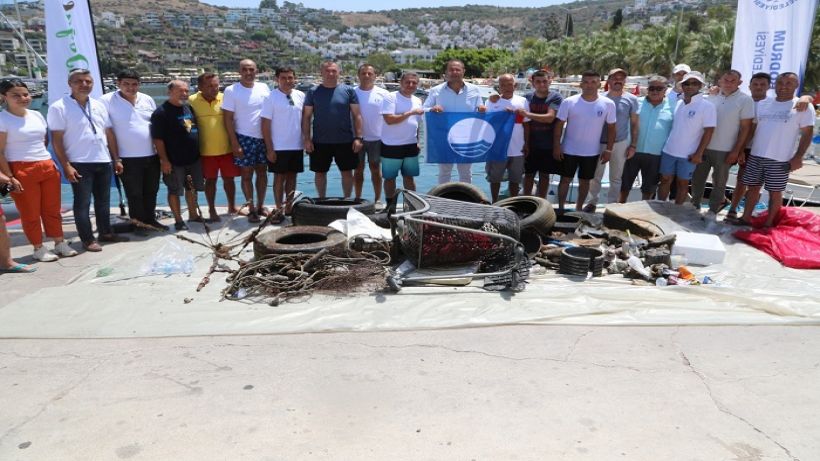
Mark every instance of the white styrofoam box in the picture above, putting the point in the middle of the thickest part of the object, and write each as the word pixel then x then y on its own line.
pixel 699 249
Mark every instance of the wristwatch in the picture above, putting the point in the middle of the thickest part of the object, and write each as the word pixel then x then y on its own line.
pixel 358 138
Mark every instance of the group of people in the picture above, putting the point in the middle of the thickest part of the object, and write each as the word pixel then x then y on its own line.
pixel 673 136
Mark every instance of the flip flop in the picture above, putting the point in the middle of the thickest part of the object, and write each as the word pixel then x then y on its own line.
pixel 19 269
pixel 738 222
pixel 253 218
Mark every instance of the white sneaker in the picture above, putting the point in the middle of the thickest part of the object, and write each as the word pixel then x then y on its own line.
pixel 42 254
pixel 62 249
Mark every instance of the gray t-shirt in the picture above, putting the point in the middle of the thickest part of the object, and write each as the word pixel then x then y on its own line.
pixel 332 123
pixel 625 105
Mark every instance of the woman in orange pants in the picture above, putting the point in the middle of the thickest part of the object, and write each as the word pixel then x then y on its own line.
pixel 36 180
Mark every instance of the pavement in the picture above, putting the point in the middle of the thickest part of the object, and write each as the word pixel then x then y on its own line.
pixel 515 392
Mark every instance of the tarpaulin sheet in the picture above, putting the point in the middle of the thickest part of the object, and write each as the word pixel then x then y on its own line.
pixel 108 295
pixel 794 240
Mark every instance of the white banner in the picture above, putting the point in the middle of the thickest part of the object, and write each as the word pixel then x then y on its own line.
pixel 70 44
pixel 772 36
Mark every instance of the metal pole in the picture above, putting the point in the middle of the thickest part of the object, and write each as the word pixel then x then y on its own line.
pixel 22 34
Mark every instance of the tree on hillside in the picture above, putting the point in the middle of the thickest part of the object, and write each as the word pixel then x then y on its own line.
pixel 382 62
pixel 570 26
pixel 617 19
pixel 268 4
pixel 476 61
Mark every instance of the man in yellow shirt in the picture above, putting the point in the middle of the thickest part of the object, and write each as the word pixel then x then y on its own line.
pixel 214 147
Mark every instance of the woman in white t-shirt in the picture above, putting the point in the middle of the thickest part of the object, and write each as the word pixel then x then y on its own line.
pixel 35 177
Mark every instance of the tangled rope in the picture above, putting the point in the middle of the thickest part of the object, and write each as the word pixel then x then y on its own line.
pixel 287 276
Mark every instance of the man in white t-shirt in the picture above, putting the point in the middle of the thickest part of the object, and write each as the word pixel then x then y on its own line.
pixel 402 113
pixel 242 109
pixel 282 131
pixel 517 150
pixel 735 111
pixel 692 127
pixel 626 139
pixel 584 114
pixel 370 104
pixel 773 156
pixel 130 112
pixel 86 146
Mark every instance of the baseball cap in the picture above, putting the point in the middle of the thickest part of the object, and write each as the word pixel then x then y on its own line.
pixel 694 75
pixel 617 71
pixel 681 68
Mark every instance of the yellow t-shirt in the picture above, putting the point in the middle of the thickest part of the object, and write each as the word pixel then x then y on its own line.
pixel 213 138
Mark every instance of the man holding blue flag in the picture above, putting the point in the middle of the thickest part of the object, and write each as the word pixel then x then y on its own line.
pixel 455 95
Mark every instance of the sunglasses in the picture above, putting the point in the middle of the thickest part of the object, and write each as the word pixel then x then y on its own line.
pixel 290 100
pixel 657 88
pixel 690 84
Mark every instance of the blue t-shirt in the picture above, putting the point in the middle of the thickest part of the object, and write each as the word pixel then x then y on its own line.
pixel 332 123
pixel 541 134
pixel 655 125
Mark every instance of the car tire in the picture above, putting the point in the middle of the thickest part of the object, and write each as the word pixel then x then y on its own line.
pixel 297 239
pixel 321 212
pixel 460 191
pixel 535 213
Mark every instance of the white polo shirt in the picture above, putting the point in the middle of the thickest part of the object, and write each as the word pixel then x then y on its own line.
pixel 688 125
pixel 286 119
pixel 132 123
pixel 406 132
pixel 370 105
pixel 731 110
pixel 778 129
pixel 585 121
pixel 517 140
pixel 83 129
pixel 246 105
pixel 25 136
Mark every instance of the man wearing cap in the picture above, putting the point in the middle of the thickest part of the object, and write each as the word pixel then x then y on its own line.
pixel 655 122
pixel 694 122
pixel 584 113
pixel 735 111
pixel 675 92
pixel 777 125
pixel 626 139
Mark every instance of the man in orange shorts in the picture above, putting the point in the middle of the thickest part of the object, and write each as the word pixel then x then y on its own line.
pixel 214 147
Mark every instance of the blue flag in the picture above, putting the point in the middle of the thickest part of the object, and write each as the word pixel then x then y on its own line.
pixel 468 137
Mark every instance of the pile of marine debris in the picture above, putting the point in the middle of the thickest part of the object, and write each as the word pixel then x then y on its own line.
pixel 592 245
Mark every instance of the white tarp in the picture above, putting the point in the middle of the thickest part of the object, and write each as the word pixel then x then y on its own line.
pixel 71 44
pixel 772 36
pixel 112 298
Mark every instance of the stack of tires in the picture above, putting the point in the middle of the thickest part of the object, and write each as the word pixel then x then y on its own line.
pixel 536 214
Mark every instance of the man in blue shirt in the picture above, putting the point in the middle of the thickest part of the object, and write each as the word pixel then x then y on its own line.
pixel 455 95
pixel 655 121
pixel 337 129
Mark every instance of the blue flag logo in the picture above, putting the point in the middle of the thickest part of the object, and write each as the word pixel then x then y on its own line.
pixel 468 137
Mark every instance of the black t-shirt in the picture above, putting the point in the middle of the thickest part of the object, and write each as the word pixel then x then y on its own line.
pixel 541 134
pixel 176 126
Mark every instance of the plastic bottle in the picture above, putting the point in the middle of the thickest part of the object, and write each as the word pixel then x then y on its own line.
pixel 661 282
pixel 636 265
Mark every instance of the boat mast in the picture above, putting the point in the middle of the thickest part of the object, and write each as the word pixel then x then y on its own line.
pixel 23 36
pixel 28 46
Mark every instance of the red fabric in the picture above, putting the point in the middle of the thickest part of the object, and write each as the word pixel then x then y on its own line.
pixel 794 240
pixel 637 90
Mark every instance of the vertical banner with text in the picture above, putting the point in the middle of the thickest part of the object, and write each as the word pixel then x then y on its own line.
pixel 772 36
pixel 70 44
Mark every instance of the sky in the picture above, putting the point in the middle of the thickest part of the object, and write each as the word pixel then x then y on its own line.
pixel 364 5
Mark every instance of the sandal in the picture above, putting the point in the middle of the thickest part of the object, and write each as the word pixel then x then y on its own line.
pixel 18 269
pixel 253 217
